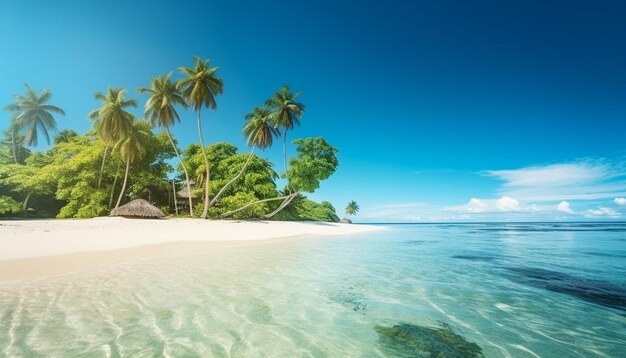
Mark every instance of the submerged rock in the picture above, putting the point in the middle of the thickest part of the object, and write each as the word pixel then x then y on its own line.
pixel 407 340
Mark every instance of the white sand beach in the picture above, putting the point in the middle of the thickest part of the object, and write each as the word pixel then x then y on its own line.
pixel 38 248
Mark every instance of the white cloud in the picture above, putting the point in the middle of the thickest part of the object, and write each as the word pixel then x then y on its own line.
pixel 564 207
pixel 504 204
pixel 476 206
pixel 507 204
pixel 620 201
pixel 602 212
pixel 580 180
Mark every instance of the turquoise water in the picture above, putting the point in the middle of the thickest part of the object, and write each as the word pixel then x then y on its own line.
pixel 499 290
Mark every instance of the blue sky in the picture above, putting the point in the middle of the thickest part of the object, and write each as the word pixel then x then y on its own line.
pixel 442 111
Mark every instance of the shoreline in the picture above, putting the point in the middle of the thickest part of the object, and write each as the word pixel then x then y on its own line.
pixel 32 249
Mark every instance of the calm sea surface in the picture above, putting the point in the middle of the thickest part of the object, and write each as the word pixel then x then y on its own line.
pixel 471 290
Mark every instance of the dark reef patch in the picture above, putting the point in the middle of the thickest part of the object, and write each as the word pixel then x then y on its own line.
pixel 594 291
pixel 407 340
pixel 349 298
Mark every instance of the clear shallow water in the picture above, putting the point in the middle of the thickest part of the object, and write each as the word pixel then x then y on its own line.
pixel 515 290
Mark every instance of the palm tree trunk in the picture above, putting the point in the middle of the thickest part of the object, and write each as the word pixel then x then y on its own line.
pixel 285 159
pixel 175 203
pixel 227 214
pixel 169 135
pixel 113 187
pixel 119 199
pixel 285 203
pixel 14 145
pixel 214 200
pixel 104 156
pixel 25 204
pixel 285 152
pixel 205 211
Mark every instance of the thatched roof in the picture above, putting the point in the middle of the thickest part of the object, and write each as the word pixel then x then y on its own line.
pixel 184 193
pixel 138 208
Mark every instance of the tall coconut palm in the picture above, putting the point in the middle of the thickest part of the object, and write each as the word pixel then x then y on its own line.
pixel 286 113
pixel 130 148
pixel 112 121
pixel 31 114
pixel 199 87
pixel 160 110
pixel 260 133
pixel 352 208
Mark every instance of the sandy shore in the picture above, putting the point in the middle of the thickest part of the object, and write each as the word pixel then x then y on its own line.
pixel 41 248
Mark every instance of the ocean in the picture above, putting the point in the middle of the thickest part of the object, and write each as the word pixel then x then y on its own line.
pixel 422 290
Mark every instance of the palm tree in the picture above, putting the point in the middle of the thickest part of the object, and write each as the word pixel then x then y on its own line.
pixel 65 136
pixel 31 114
pixel 286 113
pixel 161 112
pixel 130 149
pixel 111 121
pixel 260 133
pixel 352 208
pixel 13 148
pixel 199 89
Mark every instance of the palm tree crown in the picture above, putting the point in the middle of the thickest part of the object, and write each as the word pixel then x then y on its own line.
pixel 130 146
pixel 164 95
pixel 352 208
pixel 287 111
pixel 258 128
pixel 31 114
pixel 112 121
pixel 201 84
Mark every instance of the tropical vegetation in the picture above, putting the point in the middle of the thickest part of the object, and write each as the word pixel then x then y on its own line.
pixel 122 158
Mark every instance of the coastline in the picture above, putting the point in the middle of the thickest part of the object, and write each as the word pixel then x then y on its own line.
pixel 44 248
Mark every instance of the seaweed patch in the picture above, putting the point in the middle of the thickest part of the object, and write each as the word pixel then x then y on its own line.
pixel 407 340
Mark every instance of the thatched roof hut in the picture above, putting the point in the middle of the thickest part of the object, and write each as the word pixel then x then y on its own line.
pixel 138 208
pixel 184 193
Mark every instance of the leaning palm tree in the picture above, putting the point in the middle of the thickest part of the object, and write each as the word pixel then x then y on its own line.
pixel 260 133
pixel 286 113
pixel 199 89
pixel 352 208
pixel 161 112
pixel 112 121
pixel 31 114
pixel 130 149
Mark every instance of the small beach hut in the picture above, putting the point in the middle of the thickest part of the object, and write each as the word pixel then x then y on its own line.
pixel 138 208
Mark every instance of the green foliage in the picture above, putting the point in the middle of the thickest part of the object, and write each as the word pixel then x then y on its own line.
pixel 258 129
pixel 316 161
pixel 76 166
pixel 303 209
pixel 352 208
pixel 407 340
pixel 200 85
pixel 65 136
pixel 30 114
pixel 111 121
pixel 8 205
pixel 12 148
pixel 238 200
pixel 286 111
